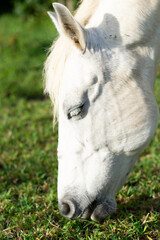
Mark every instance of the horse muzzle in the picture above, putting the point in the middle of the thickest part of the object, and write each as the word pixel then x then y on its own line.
pixel 97 210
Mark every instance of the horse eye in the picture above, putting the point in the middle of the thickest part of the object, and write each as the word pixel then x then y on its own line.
pixel 75 112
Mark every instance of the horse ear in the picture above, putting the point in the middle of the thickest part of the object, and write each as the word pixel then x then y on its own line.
pixel 54 19
pixel 66 24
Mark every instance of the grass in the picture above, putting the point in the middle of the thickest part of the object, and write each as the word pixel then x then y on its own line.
pixel 28 165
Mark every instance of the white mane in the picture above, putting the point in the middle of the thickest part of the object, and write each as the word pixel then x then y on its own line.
pixel 59 51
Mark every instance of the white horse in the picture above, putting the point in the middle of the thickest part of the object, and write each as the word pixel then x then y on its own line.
pixel 100 75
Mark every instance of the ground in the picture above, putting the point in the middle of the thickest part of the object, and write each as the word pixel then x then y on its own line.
pixel 28 164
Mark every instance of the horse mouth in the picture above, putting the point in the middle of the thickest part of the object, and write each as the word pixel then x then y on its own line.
pixel 97 211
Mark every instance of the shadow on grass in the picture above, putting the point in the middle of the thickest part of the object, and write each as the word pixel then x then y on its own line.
pixel 139 206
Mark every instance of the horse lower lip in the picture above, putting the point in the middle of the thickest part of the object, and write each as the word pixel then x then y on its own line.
pixel 103 210
pixel 86 214
pixel 98 218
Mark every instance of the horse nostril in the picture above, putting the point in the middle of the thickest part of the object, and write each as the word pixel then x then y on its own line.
pixel 67 208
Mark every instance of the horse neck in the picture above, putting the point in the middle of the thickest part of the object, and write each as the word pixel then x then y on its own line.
pixel 133 26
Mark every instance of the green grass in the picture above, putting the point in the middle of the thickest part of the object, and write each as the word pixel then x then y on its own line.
pixel 28 165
